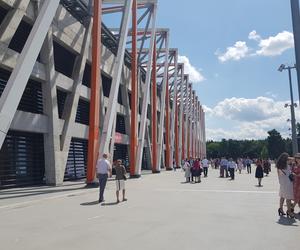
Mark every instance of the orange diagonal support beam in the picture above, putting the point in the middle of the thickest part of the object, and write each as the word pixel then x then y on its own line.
pixel 154 113
pixel 93 144
pixel 134 96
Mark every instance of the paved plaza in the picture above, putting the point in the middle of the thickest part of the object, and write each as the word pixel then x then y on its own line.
pixel 162 212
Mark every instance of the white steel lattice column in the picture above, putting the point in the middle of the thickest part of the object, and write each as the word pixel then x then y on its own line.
pixel 146 96
pixel 116 76
pixel 186 111
pixel 163 104
pixel 180 116
pixel 174 107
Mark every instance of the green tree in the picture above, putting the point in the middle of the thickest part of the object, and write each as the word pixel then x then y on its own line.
pixel 276 144
pixel 264 153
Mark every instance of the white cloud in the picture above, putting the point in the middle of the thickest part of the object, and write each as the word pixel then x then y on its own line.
pixel 195 74
pixel 254 36
pixel 276 45
pixel 238 51
pixel 247 118
pixel 243 109
pixel 271 46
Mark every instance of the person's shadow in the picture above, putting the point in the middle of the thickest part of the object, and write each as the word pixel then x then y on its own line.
pixel 287 221
pixel 91 203
pixel 109 203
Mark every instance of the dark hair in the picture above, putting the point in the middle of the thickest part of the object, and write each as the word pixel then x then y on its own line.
pixel 282 161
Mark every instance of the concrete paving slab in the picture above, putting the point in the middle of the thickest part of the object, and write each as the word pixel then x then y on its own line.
pixel 162 212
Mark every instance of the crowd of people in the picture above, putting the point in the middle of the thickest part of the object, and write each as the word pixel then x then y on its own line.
pixel 288 171
pixel 228 167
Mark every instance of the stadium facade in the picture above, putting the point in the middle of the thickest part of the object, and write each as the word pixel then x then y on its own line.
pixel 71 88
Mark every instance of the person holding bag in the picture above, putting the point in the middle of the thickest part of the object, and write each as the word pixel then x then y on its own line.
pixel 286 191
pixel 296 182
pixel 120 179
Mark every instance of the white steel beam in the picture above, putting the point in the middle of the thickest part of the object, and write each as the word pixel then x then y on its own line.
pixel 16 84
pixel 186 108
pixel 174 106
pixel 146 96
pixel 180 116
pixel 117 70
pixel 162 105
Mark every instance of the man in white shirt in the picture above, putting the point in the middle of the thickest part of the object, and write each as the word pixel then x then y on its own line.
pixel 205 163
pixel 103 171
pixel 231 168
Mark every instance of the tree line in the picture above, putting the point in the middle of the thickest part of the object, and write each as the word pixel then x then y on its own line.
pixel 271 147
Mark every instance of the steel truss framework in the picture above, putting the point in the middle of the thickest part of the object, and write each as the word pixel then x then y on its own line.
pixel 141 61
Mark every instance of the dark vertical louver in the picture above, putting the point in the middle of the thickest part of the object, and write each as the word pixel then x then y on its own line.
pixel 83 111
pixel 77 160
pixel 22 160
pixel 32 98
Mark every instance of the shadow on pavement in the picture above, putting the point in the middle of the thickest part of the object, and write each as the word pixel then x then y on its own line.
pixel 287 221
pixel 110 204
pixel 18 194
pixel 91 203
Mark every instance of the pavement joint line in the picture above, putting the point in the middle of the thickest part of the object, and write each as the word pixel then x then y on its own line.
pixel 16 205
pixel 218 191
pixel 95 217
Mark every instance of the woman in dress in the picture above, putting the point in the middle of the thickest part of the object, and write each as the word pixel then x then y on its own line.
pixel 240 165
pixel 259 172
pixel 296 183
pixel 286 191
pixel 187 169
pixel 196 170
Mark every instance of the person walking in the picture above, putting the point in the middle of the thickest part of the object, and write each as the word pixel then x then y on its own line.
pixel 120 180
pixel 286 191
pixel 240 165
pixel 259 172
pixel 223 167
pixel 174 165
pixel 296 182
pixel 187 170
pixel 231 168
pixel 248 165
pixel 266 167
pixel 196 171
pixel 103 172
pixel 205 164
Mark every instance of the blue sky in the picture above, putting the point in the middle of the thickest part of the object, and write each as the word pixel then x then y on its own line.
pixel 243 91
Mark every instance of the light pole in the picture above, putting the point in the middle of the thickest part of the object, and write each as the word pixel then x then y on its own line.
pixel 292 106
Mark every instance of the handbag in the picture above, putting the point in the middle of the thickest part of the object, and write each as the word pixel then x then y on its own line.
pixel 291 176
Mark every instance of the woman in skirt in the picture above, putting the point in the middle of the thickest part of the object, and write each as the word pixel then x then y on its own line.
pixel 259 172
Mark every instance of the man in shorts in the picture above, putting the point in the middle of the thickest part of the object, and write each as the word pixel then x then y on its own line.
pixel 120 179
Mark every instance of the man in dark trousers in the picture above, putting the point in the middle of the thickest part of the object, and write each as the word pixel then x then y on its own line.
pixel 104 171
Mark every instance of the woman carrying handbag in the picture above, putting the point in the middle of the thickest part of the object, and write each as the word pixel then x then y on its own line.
pixel 286 191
